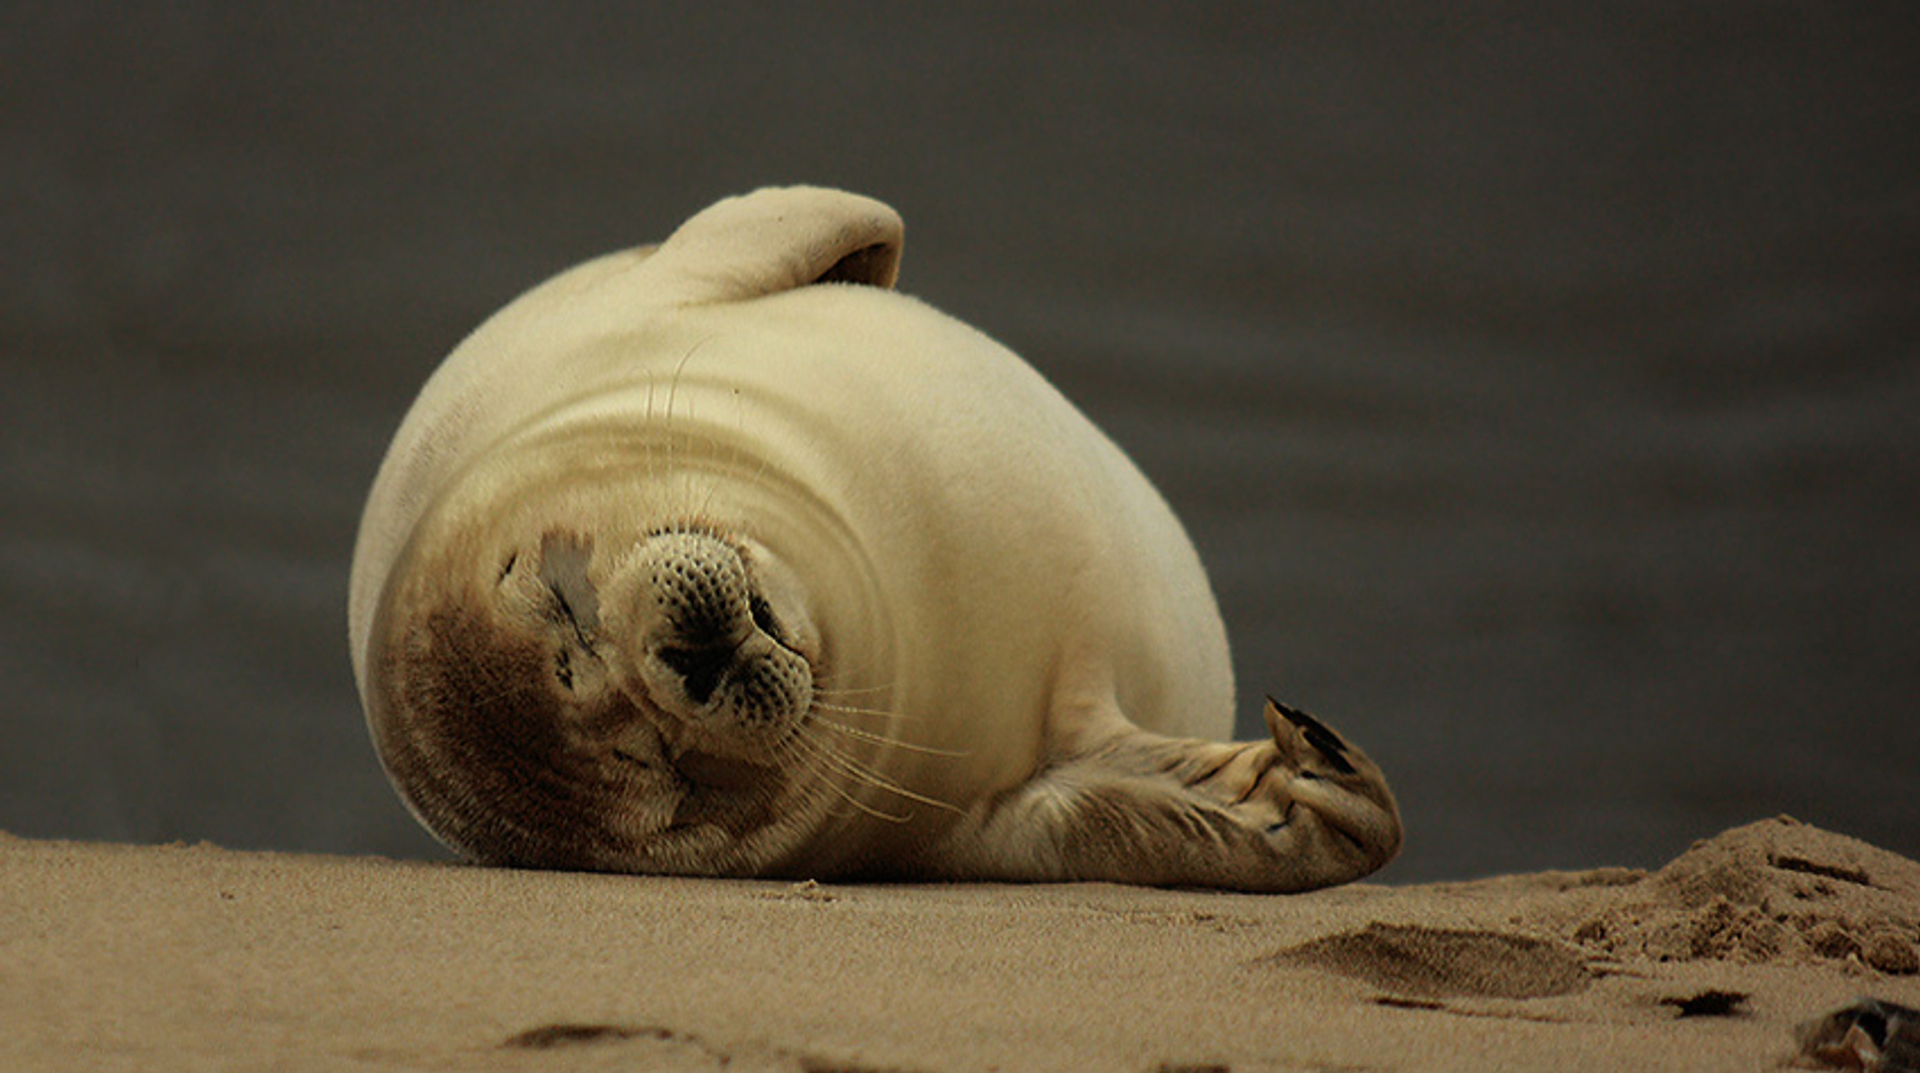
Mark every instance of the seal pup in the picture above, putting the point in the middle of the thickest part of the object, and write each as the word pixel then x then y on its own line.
pixel 722 557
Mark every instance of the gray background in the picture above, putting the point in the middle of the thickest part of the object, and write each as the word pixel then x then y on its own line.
pixel 1538 381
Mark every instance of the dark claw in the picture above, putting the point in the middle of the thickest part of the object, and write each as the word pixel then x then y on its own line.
pixel 1319 735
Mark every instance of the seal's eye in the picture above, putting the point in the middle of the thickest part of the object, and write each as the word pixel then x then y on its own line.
pixel 763 616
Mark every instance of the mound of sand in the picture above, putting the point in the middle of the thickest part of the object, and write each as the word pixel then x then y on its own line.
pixel 1775 892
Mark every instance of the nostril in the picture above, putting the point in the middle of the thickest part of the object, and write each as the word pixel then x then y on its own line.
pixel 762 614
pixel 699 668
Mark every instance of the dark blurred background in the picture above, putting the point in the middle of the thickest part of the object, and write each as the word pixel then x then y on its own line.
pixel 1538 381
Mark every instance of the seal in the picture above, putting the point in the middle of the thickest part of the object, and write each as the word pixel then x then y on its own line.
pixel 723 557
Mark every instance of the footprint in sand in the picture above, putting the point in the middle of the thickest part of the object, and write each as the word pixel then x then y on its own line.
pixel 1435 963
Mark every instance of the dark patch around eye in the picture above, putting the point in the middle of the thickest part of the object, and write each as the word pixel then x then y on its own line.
pixel 563 569
pixel 483 751
pixel 567 616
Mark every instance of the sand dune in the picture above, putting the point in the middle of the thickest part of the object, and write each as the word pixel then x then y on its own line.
pixel 151 958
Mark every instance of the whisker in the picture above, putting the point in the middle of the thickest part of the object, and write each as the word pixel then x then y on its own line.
pixel 820 752
pixel 806 763
pixel 827 689
pixel 659 447
pixel 882 739
pixel 867 713
pixel 872 778
pixel 673 398
pixel 673 382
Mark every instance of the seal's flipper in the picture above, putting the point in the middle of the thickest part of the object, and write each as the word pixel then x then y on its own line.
pixel 1301 810
pixel 777 239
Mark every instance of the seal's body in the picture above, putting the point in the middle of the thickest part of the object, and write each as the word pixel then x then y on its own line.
pixel 724 558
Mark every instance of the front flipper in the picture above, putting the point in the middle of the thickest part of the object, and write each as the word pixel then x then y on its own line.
pixel 1301 810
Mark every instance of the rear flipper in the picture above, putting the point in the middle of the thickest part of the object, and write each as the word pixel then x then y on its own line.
pixel 1301 810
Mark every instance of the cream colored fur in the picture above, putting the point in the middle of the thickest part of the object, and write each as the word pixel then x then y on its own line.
pixel 1019 668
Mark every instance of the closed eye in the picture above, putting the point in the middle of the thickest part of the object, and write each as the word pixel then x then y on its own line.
pixel 634 760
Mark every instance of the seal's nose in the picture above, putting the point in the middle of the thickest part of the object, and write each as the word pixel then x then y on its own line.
pixel 705 645
pixel 700 591
pixel 699 668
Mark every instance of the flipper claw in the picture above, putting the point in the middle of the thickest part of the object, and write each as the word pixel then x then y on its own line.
pixel 1318 734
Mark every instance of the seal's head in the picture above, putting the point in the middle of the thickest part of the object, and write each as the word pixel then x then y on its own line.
pixel 549 697
pixel 575 613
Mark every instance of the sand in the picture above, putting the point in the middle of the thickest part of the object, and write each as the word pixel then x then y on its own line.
pixel 120 957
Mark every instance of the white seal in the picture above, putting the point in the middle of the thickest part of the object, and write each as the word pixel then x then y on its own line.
pixel 724 558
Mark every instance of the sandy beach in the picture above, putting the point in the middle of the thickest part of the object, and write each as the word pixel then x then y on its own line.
pixel 116 957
